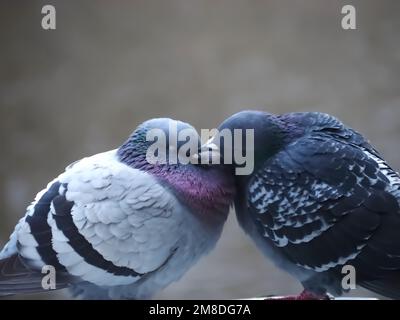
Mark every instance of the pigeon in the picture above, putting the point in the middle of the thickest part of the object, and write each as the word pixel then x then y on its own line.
pixel 321 202
pixel 118 226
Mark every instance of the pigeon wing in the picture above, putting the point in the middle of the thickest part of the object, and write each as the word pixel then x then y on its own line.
pixel 101 222
pixel 325 202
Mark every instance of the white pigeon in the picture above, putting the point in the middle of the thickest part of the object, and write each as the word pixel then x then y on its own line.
pixel 115 226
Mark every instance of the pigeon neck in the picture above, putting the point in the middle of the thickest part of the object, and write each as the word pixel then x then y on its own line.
pixel 206 192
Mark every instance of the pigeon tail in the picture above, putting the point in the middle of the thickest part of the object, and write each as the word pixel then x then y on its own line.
pixel 16 277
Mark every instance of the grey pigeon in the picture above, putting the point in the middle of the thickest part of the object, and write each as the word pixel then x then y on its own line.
pixel 115 226
pixel 320 198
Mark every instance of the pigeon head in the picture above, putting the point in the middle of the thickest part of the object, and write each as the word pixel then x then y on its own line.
pixel 257 135
pixel 169 150
pixel 160 142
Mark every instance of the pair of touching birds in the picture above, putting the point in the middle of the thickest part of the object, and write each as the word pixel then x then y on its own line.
pixel 115 226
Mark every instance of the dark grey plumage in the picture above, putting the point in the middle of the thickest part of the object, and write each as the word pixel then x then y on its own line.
pixel 320 197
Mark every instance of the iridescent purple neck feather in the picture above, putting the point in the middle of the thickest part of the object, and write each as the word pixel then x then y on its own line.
pixel 207 191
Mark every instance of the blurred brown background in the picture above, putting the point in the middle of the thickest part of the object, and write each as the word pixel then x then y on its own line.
pixel 109 65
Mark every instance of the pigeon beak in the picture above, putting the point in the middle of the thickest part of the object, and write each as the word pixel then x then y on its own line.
pixel 209 153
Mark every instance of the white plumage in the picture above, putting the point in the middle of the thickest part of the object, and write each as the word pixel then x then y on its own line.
pixel 128 217
pixel 112 230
